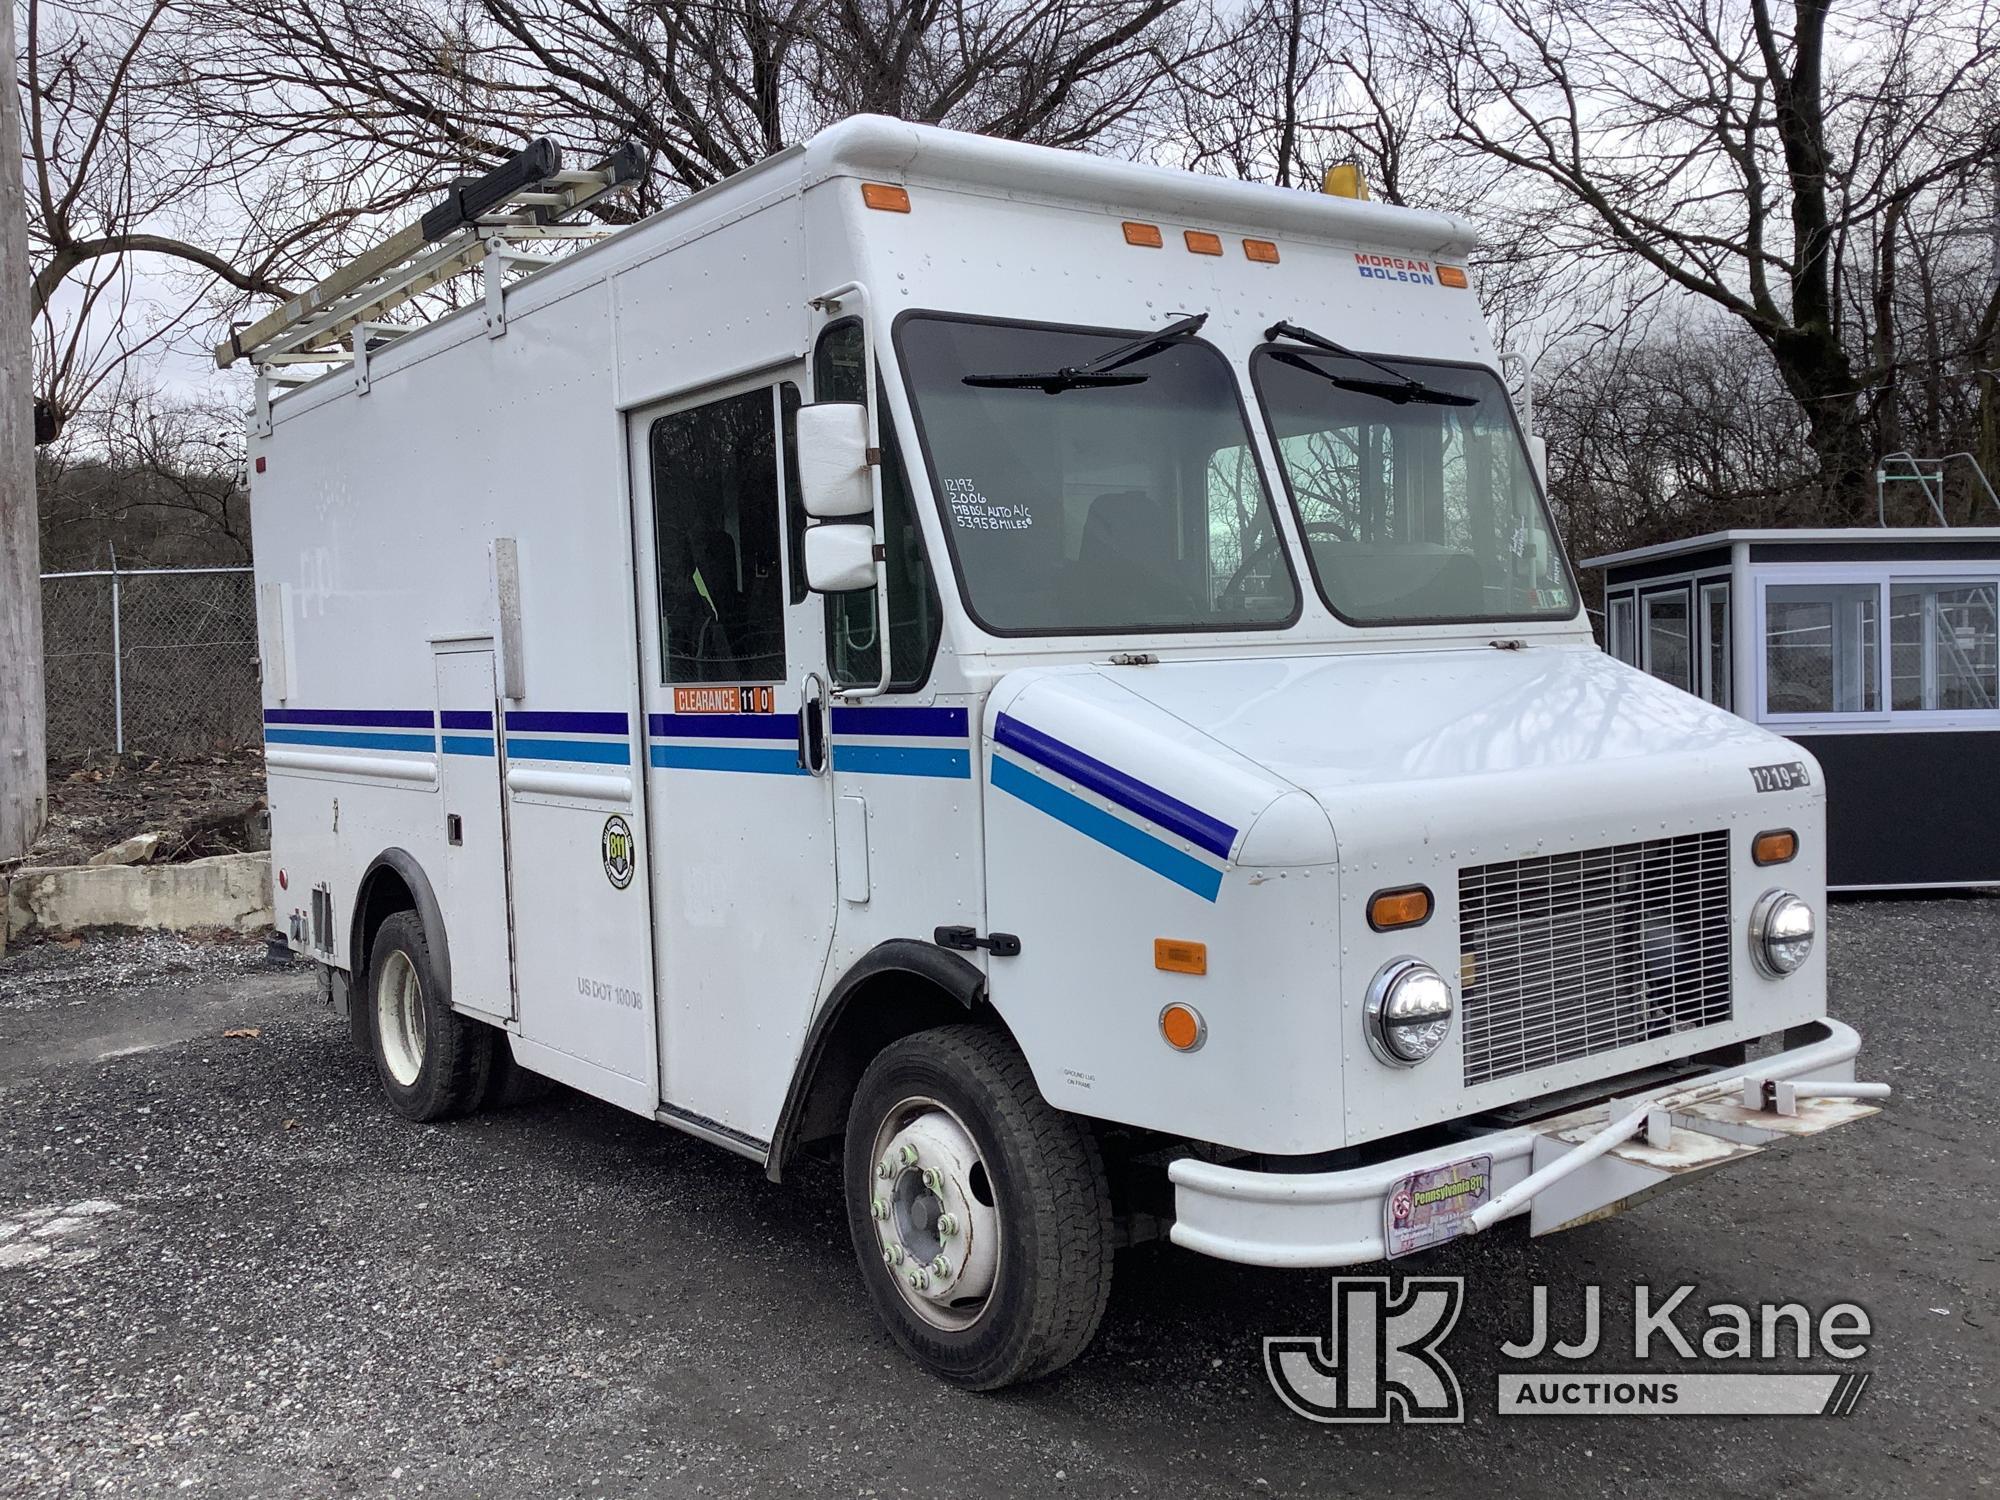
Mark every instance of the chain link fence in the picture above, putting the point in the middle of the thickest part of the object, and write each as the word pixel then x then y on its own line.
pixel 159 660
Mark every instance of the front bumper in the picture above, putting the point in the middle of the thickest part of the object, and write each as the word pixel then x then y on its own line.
pixel 1336 1218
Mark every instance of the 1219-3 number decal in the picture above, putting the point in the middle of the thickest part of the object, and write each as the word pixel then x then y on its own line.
pixel 1788 777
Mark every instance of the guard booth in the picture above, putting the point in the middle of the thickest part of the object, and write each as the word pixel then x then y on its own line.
pixel 1874 648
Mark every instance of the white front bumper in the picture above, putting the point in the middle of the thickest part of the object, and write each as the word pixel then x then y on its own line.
pixel 1336 1218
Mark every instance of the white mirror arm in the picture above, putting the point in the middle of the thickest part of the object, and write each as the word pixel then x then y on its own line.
pixel 830 302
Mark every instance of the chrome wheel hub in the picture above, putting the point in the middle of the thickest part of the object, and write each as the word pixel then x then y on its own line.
pixel 934 1213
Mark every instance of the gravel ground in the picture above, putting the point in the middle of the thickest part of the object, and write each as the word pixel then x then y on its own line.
pixel 227 1270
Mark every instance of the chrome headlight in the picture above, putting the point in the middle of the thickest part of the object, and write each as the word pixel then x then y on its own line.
pixel 1782 929
pixel 1409 1012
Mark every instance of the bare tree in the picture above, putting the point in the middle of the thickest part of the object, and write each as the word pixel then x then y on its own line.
pixel 1749 155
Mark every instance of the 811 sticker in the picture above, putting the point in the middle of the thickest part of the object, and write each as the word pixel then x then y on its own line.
pixel 1429 1208
pixel 1788 777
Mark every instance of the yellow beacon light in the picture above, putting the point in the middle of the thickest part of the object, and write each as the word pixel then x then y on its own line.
pixel 1344 180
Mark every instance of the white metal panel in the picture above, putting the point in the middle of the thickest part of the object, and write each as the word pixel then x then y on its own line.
pixel 471 877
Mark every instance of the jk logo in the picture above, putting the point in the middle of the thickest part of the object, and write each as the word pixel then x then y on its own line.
pixel 1382 1363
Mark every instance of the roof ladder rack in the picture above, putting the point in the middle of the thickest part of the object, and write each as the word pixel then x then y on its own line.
pixel 488 220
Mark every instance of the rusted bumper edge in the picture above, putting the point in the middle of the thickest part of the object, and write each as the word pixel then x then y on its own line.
pixel 1336 1218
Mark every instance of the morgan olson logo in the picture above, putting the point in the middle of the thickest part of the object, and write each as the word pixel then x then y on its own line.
pixel 1385 1363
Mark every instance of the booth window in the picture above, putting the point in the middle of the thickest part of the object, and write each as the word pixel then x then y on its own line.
pixel 717 541
pixel 1618 629
pixel 1822 642
pixel 1715 684
pixel 1943 654
pixel 1668 656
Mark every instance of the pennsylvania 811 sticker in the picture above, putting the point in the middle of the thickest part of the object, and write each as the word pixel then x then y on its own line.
pixel 1429 1208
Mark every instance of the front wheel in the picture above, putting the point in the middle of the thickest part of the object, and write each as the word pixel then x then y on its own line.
pixel 980 1214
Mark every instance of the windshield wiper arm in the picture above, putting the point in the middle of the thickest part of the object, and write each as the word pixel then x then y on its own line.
pixel 1403 392
pixel 1096 372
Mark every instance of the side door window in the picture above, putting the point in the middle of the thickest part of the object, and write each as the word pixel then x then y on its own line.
pixel 718 542
pixel 915 616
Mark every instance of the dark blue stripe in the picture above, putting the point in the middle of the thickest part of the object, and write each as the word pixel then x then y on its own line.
pixel 726 758
pixel 359 718
pixel 724 726
pixel 1094 823
pixel 349 739
pixel 467 744
pixel 1172 814
pixel 903 760
pixel 924 723
pixel 597 752
pixel 536 721
pixel 467 718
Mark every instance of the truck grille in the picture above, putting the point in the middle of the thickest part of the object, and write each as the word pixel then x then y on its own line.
pixel 1566 955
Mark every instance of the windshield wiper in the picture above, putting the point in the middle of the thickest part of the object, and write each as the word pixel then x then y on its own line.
pixel 1403 391
pixel 1096 372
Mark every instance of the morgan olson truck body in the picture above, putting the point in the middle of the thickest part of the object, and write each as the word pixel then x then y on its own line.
pixel 1051 680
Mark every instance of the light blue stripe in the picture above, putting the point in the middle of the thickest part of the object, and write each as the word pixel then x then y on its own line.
pixel 468 744
pixel 903 760
pixel 598 752
pixel 349 739
pixel 1094 822
pixel 727 758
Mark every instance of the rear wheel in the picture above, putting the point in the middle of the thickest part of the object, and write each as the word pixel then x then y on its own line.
pixel 433 1062
pixel 979 1213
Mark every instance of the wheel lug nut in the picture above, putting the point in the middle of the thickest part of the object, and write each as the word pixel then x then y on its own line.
pixel 947 1225
pixel 888 1257
pixel 878 1210
pixel 909 1155
pixel 895 1254
pixel 885 1168
pixel 933 1179
pixel 919 1280
pixel 940 1267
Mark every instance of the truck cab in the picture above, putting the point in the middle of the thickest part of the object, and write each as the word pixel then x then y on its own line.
pixel 1065 693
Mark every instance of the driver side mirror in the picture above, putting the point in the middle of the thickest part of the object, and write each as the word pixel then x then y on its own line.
pixel 840 559
pixel 834 479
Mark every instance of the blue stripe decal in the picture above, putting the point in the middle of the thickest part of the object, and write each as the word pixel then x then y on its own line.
pixel 914 723
pixel 724 726
pixel 726 758
pixel 349 740
pixel 535 721
pixel 598 752
pixel 903 760
pixel 1112 784
pixel 356 718
pixel 466 744
pixel 464 718
pixel 1095 823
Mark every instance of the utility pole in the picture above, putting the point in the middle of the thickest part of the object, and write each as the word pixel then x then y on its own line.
pixel 24 791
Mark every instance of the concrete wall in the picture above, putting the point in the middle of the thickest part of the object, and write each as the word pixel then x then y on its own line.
pixel 230 891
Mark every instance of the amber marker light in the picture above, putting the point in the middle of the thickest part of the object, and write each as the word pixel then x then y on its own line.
pixel 1146 235
pixel 1264 252
pixel 1406 906
pixel 1201 242
pixel 886 196
pixel 1183 1028
pixel 1777 847
pixel 1179 956
pixel 1452 276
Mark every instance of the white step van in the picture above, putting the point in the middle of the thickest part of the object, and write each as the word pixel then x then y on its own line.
pixel 1047 679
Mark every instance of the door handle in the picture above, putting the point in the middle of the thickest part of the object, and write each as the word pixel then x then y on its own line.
pixel 812 750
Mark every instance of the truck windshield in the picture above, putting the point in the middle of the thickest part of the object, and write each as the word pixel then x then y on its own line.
pixel 1414 509
pixel 1128 502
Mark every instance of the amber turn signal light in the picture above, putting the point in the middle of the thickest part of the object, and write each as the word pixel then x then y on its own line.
pixel 1406 906
pixel 886 196
pixel 1179 956
pixel 1143 234
pixel 1183 1027
pixel 1451 276
pixel 1775 847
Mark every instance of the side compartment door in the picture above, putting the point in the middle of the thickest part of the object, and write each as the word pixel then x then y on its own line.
pixel 740 831
pixel 475 831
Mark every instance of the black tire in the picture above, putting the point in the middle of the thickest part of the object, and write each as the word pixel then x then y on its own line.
pixel 446 1074
pixel 1046 1178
